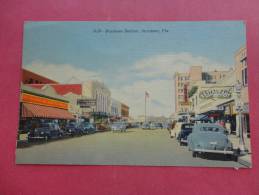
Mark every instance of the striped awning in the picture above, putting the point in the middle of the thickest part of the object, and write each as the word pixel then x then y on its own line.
pixel 32 110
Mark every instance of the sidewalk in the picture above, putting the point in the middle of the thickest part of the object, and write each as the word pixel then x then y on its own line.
pixel 245 160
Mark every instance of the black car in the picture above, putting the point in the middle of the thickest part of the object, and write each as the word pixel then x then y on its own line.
pixel 87 128
pixel 186 129
pixel 73 129
pixel 45 131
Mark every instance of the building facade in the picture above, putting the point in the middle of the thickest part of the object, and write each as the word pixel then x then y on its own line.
pixel 100 92
pixel 219 99
pixel 115 108
pixel 124 111
pixel 184 83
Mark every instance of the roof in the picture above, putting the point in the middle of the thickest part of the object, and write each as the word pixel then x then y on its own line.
pixel 27 74
pixel 37 91
pixel 62 89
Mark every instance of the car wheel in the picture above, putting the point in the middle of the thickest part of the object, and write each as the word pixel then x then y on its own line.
pixel 181 143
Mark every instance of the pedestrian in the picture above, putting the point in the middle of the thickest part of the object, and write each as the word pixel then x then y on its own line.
pixel 228 126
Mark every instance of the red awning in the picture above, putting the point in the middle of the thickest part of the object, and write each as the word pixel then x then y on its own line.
pixel 32 110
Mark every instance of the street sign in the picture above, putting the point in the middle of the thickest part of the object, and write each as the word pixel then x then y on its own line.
pixel 86 103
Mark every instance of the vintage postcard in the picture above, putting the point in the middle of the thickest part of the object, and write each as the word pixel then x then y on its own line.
pixel 134 93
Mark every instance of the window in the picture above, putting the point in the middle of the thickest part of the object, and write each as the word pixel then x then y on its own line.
pixel 244 76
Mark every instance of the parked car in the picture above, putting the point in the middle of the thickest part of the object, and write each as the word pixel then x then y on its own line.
pixel 118 126
pixel 186 130
pixel 176 130
pixel 209 138
pixel 45 131
pixel 73 129
pixel 87 128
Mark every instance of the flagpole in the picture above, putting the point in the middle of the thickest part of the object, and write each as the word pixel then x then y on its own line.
pixel 145 107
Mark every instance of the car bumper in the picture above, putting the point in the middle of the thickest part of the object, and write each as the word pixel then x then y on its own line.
pixel 184 141
pixel 214 151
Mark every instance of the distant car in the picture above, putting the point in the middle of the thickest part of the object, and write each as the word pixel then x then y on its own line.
pixel 87 128
pixel 159 125
pixel 209 138
pixel 45 131
pixel 186 130
pixel 118 126
pixel 145 126
pixel 176 130
pixel 152 126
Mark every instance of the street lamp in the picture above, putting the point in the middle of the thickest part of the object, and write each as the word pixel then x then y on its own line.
pixel 239 109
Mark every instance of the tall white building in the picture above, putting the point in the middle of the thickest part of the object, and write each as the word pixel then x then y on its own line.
pixel 97 90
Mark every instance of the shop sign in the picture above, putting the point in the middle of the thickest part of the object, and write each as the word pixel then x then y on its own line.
pixel 33 99
pixel 86 103
pixel 218 92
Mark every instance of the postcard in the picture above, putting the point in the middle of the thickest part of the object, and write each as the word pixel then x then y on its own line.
pixel 134 93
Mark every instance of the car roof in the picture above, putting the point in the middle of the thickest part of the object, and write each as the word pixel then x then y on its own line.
pixel 197 127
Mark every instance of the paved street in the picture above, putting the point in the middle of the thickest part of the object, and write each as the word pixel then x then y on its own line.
pixel 134 147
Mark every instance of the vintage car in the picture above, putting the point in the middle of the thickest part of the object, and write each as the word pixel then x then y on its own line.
pixel 45 131
pixel 73 129
pixel 176 130
pixel 87 128
pixel 186 130
pixel 118 126
pixel 209 138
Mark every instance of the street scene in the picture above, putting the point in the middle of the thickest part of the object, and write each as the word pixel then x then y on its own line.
pixel 135 93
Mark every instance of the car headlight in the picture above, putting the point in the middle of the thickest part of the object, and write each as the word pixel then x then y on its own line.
pixel 41 132
pixel 70 130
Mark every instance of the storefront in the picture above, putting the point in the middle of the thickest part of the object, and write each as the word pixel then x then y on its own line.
pixel 37 105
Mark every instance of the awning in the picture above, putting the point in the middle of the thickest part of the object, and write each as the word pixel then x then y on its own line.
pixel 32 110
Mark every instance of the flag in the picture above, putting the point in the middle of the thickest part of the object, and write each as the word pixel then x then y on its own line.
pixel 146 94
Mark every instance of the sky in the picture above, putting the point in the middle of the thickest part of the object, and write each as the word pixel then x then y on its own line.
pixel 131 57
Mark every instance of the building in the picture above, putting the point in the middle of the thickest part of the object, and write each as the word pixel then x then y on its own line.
pixel 115 108
pixel 42 104
pixel 184 83
pixel 90 90
pixel 219 100
pixel 29 77
pixel 124 111
pixel 241 68
pixel 100 92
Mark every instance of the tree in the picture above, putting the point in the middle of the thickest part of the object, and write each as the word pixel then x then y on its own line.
pixel 192 91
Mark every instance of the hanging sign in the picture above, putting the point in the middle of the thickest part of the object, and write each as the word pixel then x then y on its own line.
pixel 216 92
pixel 86 103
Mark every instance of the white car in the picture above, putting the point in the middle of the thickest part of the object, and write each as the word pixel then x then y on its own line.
pixel 176 130
pixel 118 126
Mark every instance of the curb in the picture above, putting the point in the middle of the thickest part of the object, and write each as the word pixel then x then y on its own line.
pixel 243 161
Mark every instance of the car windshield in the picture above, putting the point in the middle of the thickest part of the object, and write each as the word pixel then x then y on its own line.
pixel 212 129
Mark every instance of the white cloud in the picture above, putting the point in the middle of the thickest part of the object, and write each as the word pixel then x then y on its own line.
pixel 165 65
pixel 62 72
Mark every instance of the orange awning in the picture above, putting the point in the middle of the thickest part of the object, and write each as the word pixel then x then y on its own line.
pixel 32 110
